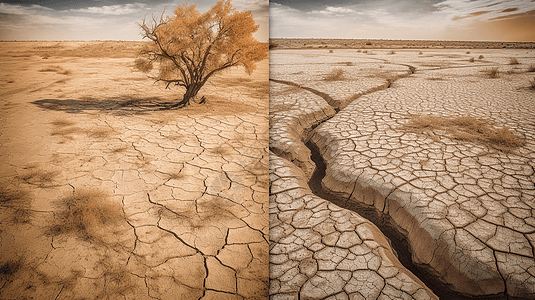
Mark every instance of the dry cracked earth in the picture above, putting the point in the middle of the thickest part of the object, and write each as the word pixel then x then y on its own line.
pixel 105 196
pixel 402 174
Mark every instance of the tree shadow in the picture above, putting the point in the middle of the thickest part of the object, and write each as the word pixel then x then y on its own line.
pixel 112 105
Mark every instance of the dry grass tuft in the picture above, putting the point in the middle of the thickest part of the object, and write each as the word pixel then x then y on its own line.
pixel 481 57
pixel 100 133
pixel 365 51
pixel 467 128
pixel 336 74
pixel 9 268
pixel 513 61
pixel 358 51
pixel 66 131
pixel 471 59
pixel 420 53
pixel 89 214
pixel 532 84
pixel 62 122
pixel 492 72
pixel 531 68
pixel 39 177
pixel 468 52
pixel 391 52
pixel 19 202
pixel 331 51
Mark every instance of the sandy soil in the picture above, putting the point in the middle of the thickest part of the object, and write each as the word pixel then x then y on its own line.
pixel 103 196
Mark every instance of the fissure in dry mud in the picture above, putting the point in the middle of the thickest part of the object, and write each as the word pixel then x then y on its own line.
pixel 351 159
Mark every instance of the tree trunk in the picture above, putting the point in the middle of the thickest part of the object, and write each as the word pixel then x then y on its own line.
pixel 189 95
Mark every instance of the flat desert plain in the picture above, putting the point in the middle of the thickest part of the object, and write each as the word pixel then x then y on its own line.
pixel 402 173
pixel 103 195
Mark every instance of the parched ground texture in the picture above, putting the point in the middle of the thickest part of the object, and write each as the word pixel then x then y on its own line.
pixel 103 196
pixel 457 205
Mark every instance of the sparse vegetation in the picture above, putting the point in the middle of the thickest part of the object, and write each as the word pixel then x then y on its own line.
pixel 359 51
pixel 532 84
pixel 420 53
pixel 467 128
pixel 392 52
pixel 492 72
pixel 88 214
pixel 100 133
pixel 365 51
pixel 331 51
pixel 513 61
pixel 19 202
pixel 336 74
pixel 62 122
pixel 481 56
pixel 9 268
pixel 531 68
pixel 471 59
pixel 39 177
pixel 468 52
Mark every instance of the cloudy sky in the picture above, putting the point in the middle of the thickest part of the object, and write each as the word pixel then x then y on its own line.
pixel 488 20
pixel 100 19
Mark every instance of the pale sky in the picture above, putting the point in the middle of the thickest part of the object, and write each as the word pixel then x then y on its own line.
pixel 101 19
pixel 483 20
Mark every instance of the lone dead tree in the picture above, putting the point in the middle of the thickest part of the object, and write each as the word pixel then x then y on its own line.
pixel 190 47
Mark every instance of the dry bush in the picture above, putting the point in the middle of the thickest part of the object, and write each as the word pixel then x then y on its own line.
pixel 336 74
pixel 481 57
pixel 365 51
pixel 19 204
pixel 532 84
pixel 468 52
pixel 467 128
pixel 420 53
pixel 492 72
pixel 359 51
pixel 331 51
pixel 89 214
pixel 392 52
pixel 471 59
pixel 531 68
pixel 513 61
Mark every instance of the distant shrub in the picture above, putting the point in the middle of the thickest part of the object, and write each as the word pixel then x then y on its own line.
pixel 368 43
pixel 531 68
pixel 472 59
pixel 359 51
pixel 331 51
pixel 468 52
pixel 336 74
pixel 513 61
pixel 492 72
pixel 420 53
pixel 392 52
pixel 481 57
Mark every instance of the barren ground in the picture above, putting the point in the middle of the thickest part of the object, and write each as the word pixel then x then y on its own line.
pixel 406 174
pixel 103 196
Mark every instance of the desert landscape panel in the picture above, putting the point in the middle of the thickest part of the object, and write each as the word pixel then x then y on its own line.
pixel 107 194
pixel 402 169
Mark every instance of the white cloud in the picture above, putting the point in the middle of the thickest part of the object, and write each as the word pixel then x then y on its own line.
pixel 469 11
pixel 114 10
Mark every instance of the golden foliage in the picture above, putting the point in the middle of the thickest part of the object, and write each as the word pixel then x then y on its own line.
pixel 190 47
